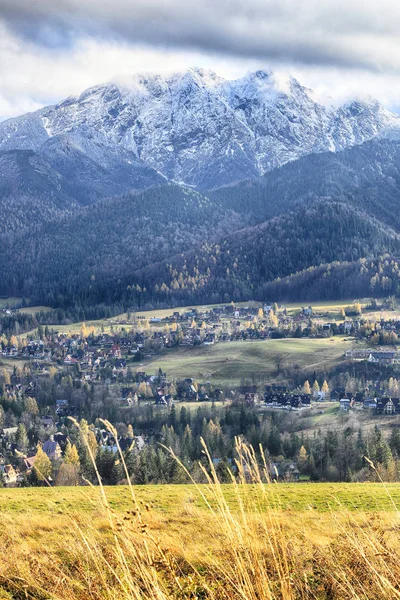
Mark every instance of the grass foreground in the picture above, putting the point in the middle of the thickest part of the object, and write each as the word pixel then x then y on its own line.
pixel 257 541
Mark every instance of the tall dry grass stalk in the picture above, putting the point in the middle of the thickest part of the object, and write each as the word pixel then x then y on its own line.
pixel 258 552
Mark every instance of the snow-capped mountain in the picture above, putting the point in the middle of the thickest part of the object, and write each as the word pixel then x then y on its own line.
pixel 193 128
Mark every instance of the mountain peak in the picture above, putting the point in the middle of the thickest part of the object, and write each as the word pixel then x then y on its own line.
pixel 199 129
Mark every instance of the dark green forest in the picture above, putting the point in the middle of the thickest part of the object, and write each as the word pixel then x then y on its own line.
pixel 324 226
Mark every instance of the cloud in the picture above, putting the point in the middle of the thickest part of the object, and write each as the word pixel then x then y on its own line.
pixel 51 49
pixel 356 34
pixel 32 75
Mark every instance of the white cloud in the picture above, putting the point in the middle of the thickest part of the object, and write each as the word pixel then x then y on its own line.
pixel 49 50
pixel 359 33
pixel 32 76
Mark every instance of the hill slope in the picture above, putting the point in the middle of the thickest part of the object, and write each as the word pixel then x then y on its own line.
pixel 240 264
pixel 172 245
pixel 111 239
pixel 367 175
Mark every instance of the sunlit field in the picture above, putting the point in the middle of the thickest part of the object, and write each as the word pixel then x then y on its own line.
pixel 229 363
pixel 286 541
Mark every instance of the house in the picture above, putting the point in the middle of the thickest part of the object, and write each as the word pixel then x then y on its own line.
pixel 9 432
pixel 29 462
pixel 346 402
pixel 52 449
pixel 388 406
pixel 369 403
pixel 47 421
pixel 62 407
pixel 116 351
pixel 284 470
pixel 10 476
pixel 383 357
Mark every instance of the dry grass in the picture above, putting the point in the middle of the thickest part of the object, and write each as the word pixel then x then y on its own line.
pixel 236 542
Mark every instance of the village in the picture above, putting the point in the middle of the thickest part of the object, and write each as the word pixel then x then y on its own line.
pixel 49 376
pixel 142 337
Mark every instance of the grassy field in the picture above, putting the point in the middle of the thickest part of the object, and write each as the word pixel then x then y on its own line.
pixel 168 499
pixel 11 302
pixel 33 310
pixel 230 362
pixel 271 542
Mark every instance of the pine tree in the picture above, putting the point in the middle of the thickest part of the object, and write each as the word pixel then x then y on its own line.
pixel 306 388
pixel 21 438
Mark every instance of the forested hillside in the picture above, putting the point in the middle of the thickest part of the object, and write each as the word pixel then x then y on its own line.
pixel 171 244
pixel 377 277
pixel 367 176
pixel 241 264
pixel 31 192
pixel 75 257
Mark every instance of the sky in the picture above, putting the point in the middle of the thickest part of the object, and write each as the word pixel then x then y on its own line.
pixel 51 49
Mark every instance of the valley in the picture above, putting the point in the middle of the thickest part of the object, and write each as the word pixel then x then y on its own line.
pixel 199 344
pixel 199 300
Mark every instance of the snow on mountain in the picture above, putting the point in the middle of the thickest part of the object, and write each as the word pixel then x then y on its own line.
pixel 197 128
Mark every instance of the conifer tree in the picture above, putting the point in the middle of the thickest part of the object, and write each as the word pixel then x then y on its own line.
pixel 21 438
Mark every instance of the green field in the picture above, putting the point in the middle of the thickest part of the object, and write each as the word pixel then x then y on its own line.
pixel 230 362
pixel 33 310
pixel 11 302
pixel 169 499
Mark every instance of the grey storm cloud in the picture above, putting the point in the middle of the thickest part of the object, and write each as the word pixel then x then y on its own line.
pixel 351 34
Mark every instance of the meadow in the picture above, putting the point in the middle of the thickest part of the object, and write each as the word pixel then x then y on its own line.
pixel 11 302
pixel 229 363
pixel 248 542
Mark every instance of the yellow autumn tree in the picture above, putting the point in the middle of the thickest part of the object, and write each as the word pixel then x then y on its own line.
pixel 84 331
pixel 5 375
pixel 316 387
pixel 71 456
pixel 14 341
pixel 42 466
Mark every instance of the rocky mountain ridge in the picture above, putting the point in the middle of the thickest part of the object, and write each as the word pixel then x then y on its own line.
pixel 196 128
